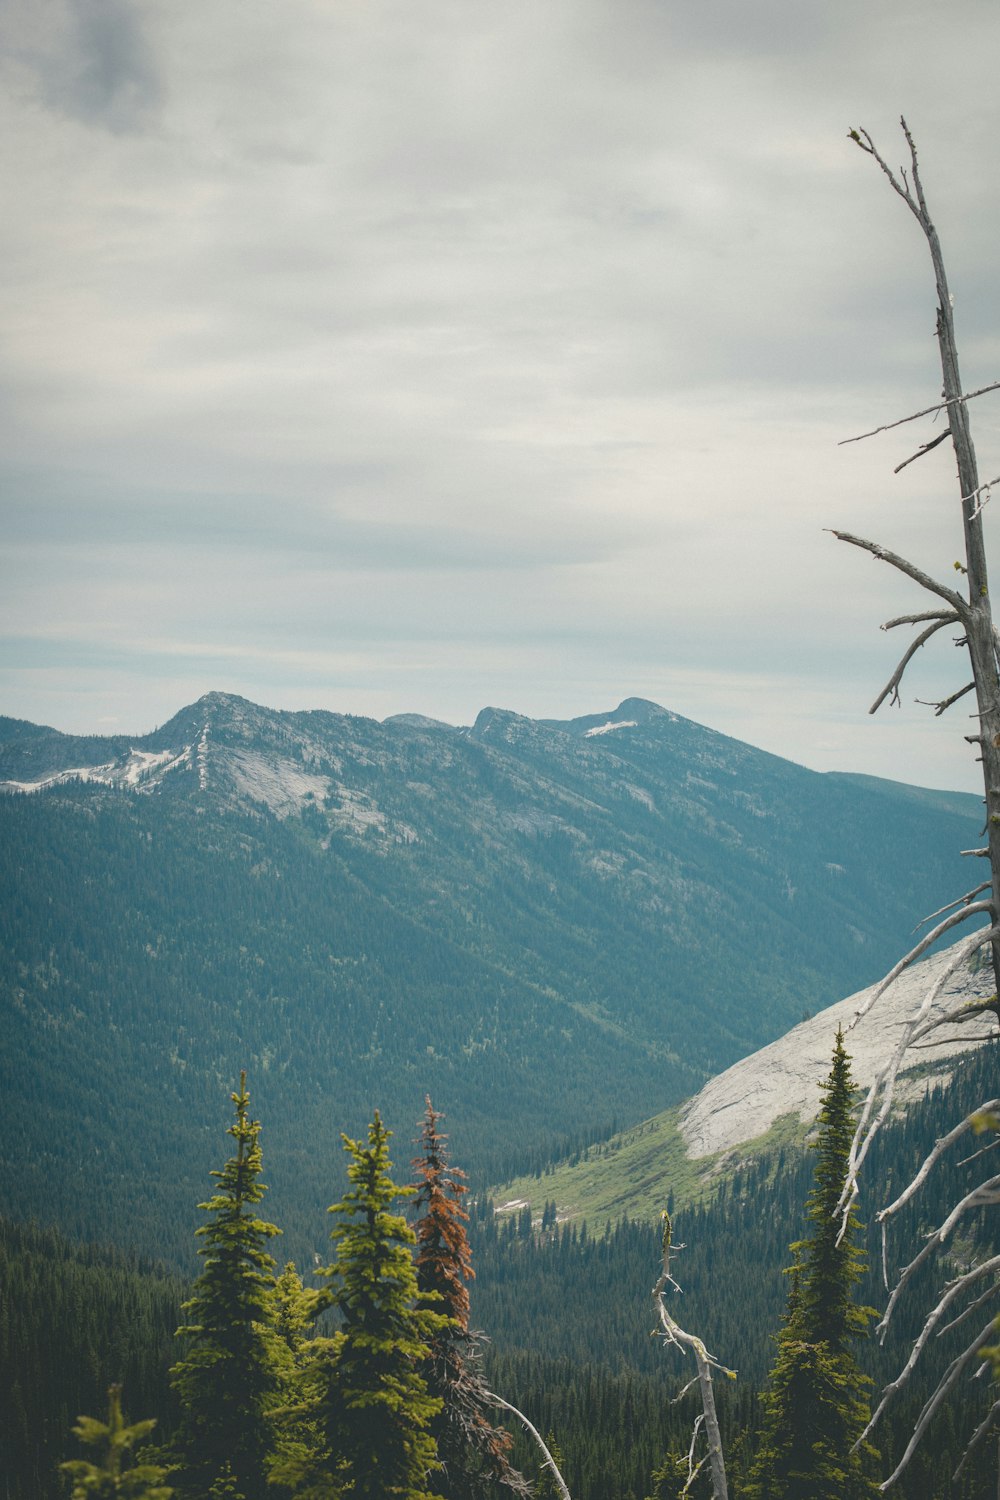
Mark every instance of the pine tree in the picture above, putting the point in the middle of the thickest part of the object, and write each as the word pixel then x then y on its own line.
pixel 228 1381
pixel 813 1412
pixel 106 1480
pixel 473 1452
pixel 365 1394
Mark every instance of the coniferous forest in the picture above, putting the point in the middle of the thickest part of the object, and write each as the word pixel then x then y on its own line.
pixel 374 1373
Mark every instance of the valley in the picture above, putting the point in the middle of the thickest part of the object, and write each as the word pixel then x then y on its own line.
pixel 605 947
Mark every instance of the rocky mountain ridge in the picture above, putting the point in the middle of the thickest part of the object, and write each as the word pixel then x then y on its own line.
pixel 552 927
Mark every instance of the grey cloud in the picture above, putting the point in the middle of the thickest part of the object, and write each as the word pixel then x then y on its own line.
pixel 91 60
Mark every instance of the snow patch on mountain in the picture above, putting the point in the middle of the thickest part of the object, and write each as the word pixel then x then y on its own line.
pixel 142 770
pixel 607 728
pixel 785 1077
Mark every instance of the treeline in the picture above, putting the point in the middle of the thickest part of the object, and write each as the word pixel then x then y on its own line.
pixel 569 1314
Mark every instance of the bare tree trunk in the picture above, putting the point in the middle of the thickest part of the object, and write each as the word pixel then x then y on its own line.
pixel 673 1333
pixel 973 613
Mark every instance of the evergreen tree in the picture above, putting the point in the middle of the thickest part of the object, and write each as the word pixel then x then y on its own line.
pixel 294 1307
pixel 365 1394
pixel 106 1480
pixel 545 1487
pixel 813 1412
pixel 473 1452
pixel 229 1380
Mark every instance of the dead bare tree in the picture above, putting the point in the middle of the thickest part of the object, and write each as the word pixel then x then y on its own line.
pixel 970 613
pixel 705 1363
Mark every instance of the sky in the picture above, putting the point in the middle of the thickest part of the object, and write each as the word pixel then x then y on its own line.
pixel 395 356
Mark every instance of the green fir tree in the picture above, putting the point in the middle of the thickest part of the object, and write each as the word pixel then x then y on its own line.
pixel 815 1407
pixel 365 1396
pixel 228 1382
pixel 108 1479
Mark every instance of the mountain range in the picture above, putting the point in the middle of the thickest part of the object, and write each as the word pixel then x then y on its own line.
pixel 553 927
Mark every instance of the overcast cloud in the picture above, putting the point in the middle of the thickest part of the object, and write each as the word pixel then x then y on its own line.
pixel 424 355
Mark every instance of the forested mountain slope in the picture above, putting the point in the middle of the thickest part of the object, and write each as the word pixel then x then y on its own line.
pixel 550 927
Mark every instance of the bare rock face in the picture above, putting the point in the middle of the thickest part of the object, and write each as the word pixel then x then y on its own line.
pixel 743 1102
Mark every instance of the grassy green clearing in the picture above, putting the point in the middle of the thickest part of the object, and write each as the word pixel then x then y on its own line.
pixel 634 1173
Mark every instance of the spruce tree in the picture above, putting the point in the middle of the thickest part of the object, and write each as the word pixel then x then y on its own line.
pixel 108 1479
pixel 473 1452
pixel 365 1396
pixel 813 1412
pixel 228 1381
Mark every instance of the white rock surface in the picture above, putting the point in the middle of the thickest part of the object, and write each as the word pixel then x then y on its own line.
pixel 745 1100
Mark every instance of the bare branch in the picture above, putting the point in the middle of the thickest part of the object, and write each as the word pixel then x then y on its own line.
pixel 965 1160
pixel 927 411
pixel 892 686
pixel 982 497
pixel 694 1469
pixel 984 1193
pixel 957 1017
pixel 945 703
pixel 938 1150
pixel 977 1437
pixel 953 1290
pixel 884 1082
pixel 973 909
pixel 933 1241
pixel 930 614
pixel 937 1397
pixel 924 448
pixel 962 901
pixel 947 1041
pixel 866 143
pixel 549 1462
pixel 967 1311
pixel 925 581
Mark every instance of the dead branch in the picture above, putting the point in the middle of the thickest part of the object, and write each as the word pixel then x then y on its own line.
pixel 549 1462
pixel 962 901
pixel 957 1017
pixel 977 1437
pixel 953 1290
pixel 983 1194
pixel 927 412
pixel 968 1310
pixel 930 614
pixel 936 1399
pixel 924 448
pixel 892 686
pixel 694 1469
pixel 973 909
pixel 925 581
pixel 945 703
pixel 884 1082
pixel 982 498
pixel 965 1160
pixel 674 1334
